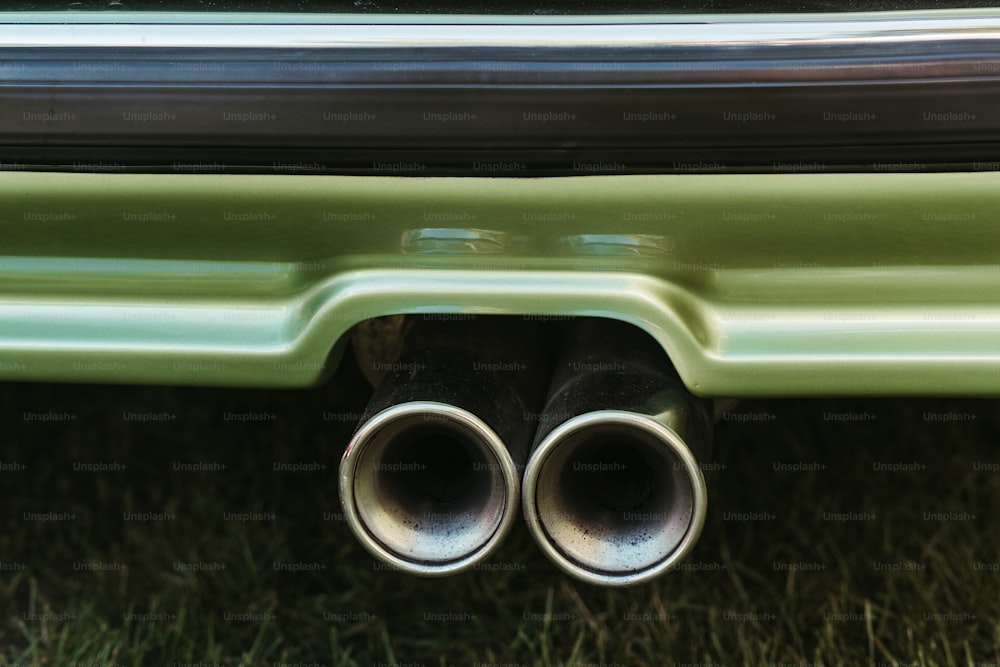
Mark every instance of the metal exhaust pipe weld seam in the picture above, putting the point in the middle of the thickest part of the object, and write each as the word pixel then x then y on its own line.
pixel 614 491
pixel 430 482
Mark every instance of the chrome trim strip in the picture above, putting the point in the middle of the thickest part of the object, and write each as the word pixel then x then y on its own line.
pixel 314 18
pixel 326 31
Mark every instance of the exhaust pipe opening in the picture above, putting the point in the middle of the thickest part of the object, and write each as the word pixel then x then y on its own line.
pixel 618 497
pixel 613 492
pixel 431 481
pixel 429 487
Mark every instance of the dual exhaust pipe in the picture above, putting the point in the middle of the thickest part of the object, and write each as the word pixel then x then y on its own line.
pixel 594 435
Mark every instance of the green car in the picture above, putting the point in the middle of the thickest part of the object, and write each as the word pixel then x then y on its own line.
pixel 558 241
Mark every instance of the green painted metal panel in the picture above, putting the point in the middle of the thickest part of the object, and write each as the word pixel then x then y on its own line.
pixel 775 284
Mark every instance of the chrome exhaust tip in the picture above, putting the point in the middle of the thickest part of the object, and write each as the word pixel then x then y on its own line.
pixel 429 488
pixel 613 492
pixel 430 482
pixel 614 498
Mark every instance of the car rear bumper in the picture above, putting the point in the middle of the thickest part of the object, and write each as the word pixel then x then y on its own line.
pixel 500 95
pixel 777 284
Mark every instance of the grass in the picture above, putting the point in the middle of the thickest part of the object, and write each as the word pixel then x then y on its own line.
pixel 911 578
